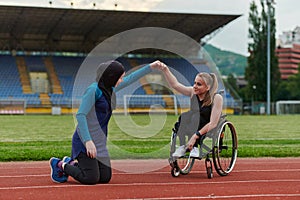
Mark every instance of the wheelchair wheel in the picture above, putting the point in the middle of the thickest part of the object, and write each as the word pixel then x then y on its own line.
pixel 175 171
pixel 209 172
pixel 182 165
pixel 225 149
pixel 208 167
pixel 185 164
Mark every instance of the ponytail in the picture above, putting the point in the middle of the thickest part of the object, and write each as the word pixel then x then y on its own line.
pixel 211 81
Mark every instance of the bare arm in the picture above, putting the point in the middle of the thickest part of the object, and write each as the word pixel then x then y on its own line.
pixel 214 119
pixel 173 82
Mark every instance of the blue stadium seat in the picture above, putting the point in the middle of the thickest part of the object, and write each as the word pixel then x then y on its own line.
pixel 10 85
pixel 35 63
pixel 67 67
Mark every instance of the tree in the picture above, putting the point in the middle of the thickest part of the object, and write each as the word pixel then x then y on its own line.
pixel 283 91
pixel 231 84
pixel 232 81
pixel 288 89
pixel 256 71
pixel 293 85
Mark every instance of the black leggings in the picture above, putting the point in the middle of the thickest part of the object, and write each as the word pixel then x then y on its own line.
pixel 90 170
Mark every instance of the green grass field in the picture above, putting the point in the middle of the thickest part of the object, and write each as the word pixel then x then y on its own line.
pixel 39 137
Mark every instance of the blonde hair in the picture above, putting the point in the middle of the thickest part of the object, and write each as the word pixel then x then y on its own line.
pixel 211 81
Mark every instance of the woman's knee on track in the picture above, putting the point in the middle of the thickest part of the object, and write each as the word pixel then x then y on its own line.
pixel 91 179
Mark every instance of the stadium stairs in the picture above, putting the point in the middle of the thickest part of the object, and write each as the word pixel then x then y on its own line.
pixel 55 84
pixel 24 77
pixel 44 105
pixel 45 100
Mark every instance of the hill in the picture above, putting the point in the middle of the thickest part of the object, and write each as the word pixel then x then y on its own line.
pixel 227 62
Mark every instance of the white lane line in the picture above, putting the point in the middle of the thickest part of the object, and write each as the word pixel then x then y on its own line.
pixel 243 196
pixel 124 173
pixel 235 171
pixel 25 175
pixel 149 184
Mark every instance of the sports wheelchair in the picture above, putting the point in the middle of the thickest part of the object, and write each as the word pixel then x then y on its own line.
pixel 219 143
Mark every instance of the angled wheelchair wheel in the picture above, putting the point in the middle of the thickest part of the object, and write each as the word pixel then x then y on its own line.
pixel 182 165
pixel 225 149
pixel 185 164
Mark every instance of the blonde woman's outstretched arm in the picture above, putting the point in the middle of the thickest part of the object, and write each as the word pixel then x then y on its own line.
pixel 173 82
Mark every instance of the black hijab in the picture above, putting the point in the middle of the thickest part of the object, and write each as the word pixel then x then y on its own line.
pixel 108 74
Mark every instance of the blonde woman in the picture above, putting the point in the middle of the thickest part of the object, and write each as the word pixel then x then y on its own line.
pixel 204 113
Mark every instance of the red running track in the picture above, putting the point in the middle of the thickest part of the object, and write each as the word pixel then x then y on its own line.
pixel 262 178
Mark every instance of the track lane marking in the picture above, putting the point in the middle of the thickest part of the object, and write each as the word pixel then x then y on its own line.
pixel 167 172
pixel 221 197
pixel 147 184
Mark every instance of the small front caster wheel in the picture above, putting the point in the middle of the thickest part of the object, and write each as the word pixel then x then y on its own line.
pixel 209 172
pixel 175 171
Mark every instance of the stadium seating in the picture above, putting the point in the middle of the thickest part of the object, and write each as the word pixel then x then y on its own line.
pixel 35 64
pixel 66 68
pixel 10 85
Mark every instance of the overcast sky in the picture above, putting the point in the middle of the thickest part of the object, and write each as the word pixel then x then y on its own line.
pixel 233 37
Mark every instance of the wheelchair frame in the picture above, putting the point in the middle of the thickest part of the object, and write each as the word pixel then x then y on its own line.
pixel 223 151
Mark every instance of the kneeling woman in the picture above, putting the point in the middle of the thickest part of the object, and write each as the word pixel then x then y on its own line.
pixel 89 149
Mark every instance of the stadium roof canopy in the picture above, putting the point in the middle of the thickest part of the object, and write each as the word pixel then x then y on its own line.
pixel 78 30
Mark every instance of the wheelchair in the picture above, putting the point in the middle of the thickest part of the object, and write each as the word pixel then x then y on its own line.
pixel 220 144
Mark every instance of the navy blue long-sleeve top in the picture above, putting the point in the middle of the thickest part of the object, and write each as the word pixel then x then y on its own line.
pixel 94 114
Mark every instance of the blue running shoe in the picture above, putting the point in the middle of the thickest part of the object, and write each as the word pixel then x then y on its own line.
pixel 57 174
